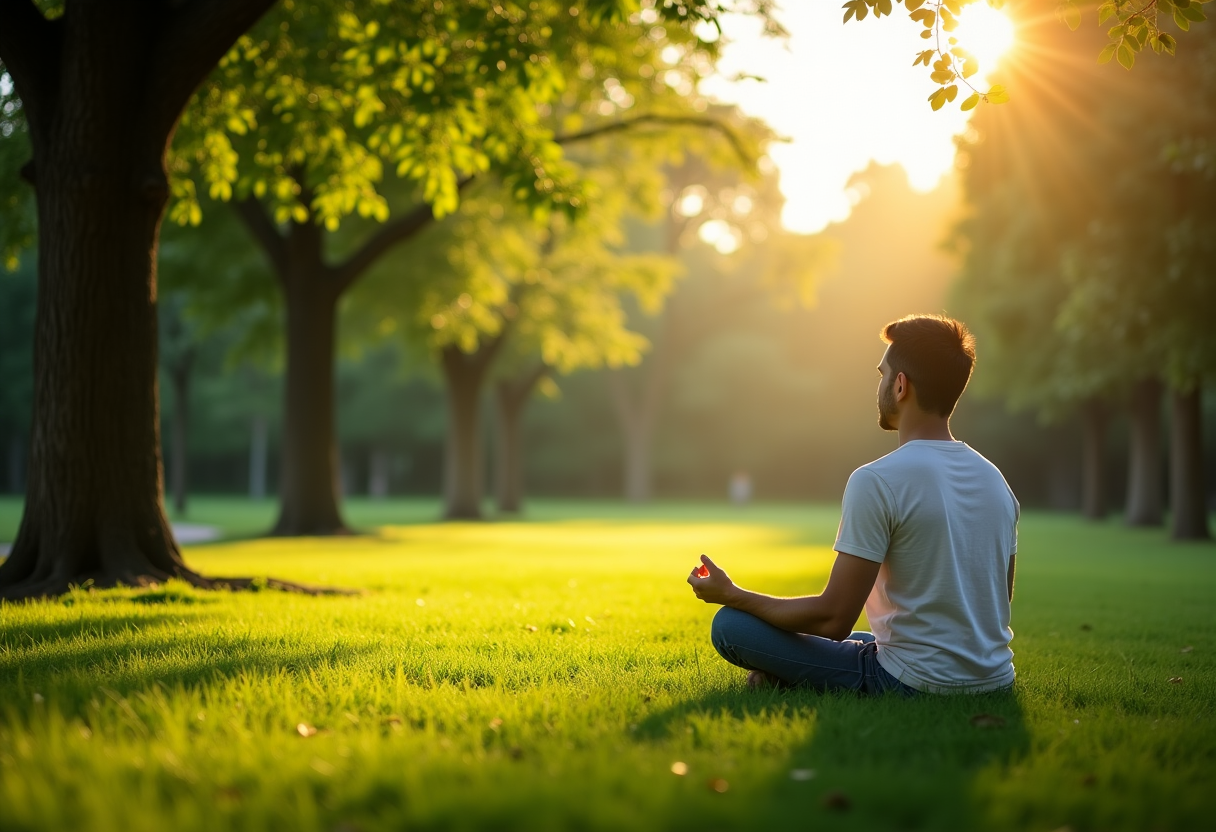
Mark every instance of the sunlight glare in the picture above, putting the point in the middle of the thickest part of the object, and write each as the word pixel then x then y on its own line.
pixel 987 33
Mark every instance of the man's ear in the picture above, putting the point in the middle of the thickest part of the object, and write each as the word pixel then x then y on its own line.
pixel 901 387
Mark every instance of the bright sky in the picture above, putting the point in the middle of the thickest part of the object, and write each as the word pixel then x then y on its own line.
pixel 848 93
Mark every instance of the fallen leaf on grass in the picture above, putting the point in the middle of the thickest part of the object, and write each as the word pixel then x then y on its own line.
pixel 531 628
pixel 679 768
pixel 988 721
pixel 802 774
pixel 719 785
pixel 837 802
pixel 1186 649
pixel 305 730
pixel 495 723
pixel 1175 680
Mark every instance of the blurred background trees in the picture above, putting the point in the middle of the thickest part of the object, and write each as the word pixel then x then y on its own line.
pixel 414 220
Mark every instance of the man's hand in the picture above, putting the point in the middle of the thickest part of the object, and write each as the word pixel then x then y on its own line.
pixel 710 583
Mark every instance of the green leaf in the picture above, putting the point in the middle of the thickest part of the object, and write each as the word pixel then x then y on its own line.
pixel 1168 43
pixel 1125 55
pixel 1105 11
pixel 1107 53
pixel 1180 21
pixel 970 101
pixel 1072 16
pixel 1193 13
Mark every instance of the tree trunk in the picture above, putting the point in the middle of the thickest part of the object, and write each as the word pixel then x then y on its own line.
pixel 464 477
pixel 257 458
pixel 1093 454
pixel 1188 495
pixel 1144 486
pixel 103 86
pixel 637 414
pixel 308 490
pixel 510 398
pixel 377 473
pixel 180 374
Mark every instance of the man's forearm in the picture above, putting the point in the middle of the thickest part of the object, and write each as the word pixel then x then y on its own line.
pixel 808 614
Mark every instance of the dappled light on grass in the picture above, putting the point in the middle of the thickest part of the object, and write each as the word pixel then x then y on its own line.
pixel 558 675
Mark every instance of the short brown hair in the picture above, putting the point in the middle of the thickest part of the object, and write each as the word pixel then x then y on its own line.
pixel 936 354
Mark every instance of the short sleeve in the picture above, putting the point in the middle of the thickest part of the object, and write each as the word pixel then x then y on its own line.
pixel 1017 518
pixel 867 518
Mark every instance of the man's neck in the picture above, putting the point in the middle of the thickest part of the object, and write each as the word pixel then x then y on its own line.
pixel 925 427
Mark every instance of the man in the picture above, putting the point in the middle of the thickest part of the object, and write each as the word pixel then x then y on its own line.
pixel 927 540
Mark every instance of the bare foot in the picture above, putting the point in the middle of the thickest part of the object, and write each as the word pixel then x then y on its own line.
pixel 759 680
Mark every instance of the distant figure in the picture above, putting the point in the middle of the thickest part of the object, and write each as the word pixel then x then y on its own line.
pixel 927 544
pixel 740 488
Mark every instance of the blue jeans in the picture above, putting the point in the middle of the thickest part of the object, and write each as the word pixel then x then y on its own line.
pixel 802 660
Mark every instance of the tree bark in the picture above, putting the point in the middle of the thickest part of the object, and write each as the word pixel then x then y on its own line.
pixel 103 86
pixel 1188 495
pixel 464 477
pixel 511 395
pixel 309 485
pixel 180 374
pixel 16 465
pixel 1093 455
pixel 1145 504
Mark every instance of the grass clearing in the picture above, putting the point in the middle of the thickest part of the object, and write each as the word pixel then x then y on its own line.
pixel 547 674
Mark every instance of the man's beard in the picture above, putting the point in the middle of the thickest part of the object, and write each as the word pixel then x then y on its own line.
pixel 886 406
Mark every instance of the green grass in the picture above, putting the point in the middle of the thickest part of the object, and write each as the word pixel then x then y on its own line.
pixel 545 675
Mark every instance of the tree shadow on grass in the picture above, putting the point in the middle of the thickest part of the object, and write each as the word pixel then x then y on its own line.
pixel 883 763
pixel 68 662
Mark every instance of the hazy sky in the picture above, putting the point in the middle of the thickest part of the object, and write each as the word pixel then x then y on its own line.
pixel 845 94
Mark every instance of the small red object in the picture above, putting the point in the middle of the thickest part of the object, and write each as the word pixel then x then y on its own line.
pixel 702 571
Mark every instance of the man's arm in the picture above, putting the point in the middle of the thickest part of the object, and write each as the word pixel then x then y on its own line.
pixel 1012 559
pixel 831 614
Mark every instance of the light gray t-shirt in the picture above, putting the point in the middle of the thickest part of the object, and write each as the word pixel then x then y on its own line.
pixel 942 521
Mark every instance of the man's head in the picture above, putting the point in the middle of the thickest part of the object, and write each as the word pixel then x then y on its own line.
pixel 928 362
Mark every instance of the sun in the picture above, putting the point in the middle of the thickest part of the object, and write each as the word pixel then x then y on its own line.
pixel 986 33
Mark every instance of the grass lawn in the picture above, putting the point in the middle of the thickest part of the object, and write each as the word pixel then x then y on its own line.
pixel 546 675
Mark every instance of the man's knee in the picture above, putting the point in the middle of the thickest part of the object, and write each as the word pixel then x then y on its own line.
pixel 726 630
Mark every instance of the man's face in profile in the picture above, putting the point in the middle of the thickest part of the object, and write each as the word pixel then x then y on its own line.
pixel 888 413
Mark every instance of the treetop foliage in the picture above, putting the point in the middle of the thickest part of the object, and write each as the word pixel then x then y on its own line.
pixel 311 107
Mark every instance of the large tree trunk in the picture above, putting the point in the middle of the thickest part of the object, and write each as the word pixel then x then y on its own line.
pixel 308 489
pixel 102 86
pixel 511 395
pixel 180 375
pixel 464 476
pixel 1144 486
pixel 1093 460
pixel 1188 495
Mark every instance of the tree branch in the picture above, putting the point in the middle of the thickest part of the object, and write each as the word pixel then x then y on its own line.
pixel 404 228
pixel 29 48
pixel 703 122
pixel 255 218
pixel 195 35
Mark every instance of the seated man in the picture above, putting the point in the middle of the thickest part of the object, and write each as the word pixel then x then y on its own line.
pixel 926 543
